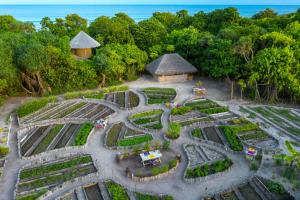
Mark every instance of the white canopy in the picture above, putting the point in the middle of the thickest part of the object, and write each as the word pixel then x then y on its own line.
pixel 150 155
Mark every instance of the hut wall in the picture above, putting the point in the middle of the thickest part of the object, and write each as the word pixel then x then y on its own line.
pixel 174 78
pixel 83 53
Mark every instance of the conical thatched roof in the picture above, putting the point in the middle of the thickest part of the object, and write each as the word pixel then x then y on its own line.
pixel 170 64
pixel 83 41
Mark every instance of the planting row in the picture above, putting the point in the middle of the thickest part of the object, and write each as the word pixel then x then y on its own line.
pixel 46 138
pixel 243 131
pixel 120 135
pixel 159 95
pixel 287 119
pixel 34 182
pixel 70 109
pixel 126 99
pixel 255 189
pixel 148 119
pixel 108 190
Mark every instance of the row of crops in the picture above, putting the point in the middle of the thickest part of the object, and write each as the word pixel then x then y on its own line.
pixel 159 95
pixel 287 119
pixel 46 138
pixel 147 119
pixel 256 188
pixel 70 109
pixel 120 135
pixel 109 190
pixel 127 100
pixel 35 181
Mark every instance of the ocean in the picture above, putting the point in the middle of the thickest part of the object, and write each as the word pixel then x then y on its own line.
pixel 34 13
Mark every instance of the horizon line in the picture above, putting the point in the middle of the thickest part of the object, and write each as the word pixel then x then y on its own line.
pixel 179 4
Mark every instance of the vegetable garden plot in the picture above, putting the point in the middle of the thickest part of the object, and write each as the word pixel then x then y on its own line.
pixel 116 191
pixel 120 135
pixel 46 138
pixel 50 175
pixel 93 192
pixel 249 192
pixel 188 118
pixel 284 118
pixel 126 99
pixel 206 106
pixel 159 95
pixel 148 119
pixel 212 134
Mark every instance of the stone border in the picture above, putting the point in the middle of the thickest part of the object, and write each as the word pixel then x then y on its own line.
pixel 159 176
pixel 121 147
pixel 204 178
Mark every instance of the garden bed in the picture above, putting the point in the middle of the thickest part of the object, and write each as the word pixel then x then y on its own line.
pixel 212 134
pixel 120 135
pixel 148 119
pixel 116 191
pixel 159 95
pixel 47 176
pixel 126 100
pixel 93 192
pixel 46 138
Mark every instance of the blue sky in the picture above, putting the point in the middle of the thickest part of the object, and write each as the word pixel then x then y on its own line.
pixel 223 2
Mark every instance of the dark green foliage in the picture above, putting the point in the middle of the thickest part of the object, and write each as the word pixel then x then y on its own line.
pixel 275 187
pixel 197 132
pixel 205 170
pixel 3 151
pixel 263 51
pixel 83 133
pixel 232 139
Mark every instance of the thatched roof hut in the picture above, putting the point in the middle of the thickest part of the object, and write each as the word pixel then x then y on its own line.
pixel 82 45
pixel 171 68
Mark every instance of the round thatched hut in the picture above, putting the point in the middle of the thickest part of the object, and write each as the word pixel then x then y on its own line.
pixel 82 45
pixel 171 68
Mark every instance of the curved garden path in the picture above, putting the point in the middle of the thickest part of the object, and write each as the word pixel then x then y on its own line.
pixel 104 159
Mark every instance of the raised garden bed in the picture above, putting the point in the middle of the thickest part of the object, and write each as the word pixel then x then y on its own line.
pixel 141 196
pixel 116 191
pixel 197 132
pixel 127 99
pixel 53 174
pixel 148 119
pixel 120 135
pixel 159 95
pixel 45 138
pixel 211 134
pixel 93 192
pixel 208 169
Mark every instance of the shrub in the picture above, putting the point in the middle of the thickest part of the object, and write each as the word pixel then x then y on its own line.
pixel 205 170
pixel 86 94
pixel 172 163
pixel 4 151
pixel 197 133
pixel 83 133
pixel 119 88
pixel 32 106
pixel 159 170
pixel 275 187
pixel 116 191
pixel 166 145
pixel 174 130
pixel 180 110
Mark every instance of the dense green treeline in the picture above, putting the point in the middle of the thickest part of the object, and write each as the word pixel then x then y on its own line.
pixel 261 53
